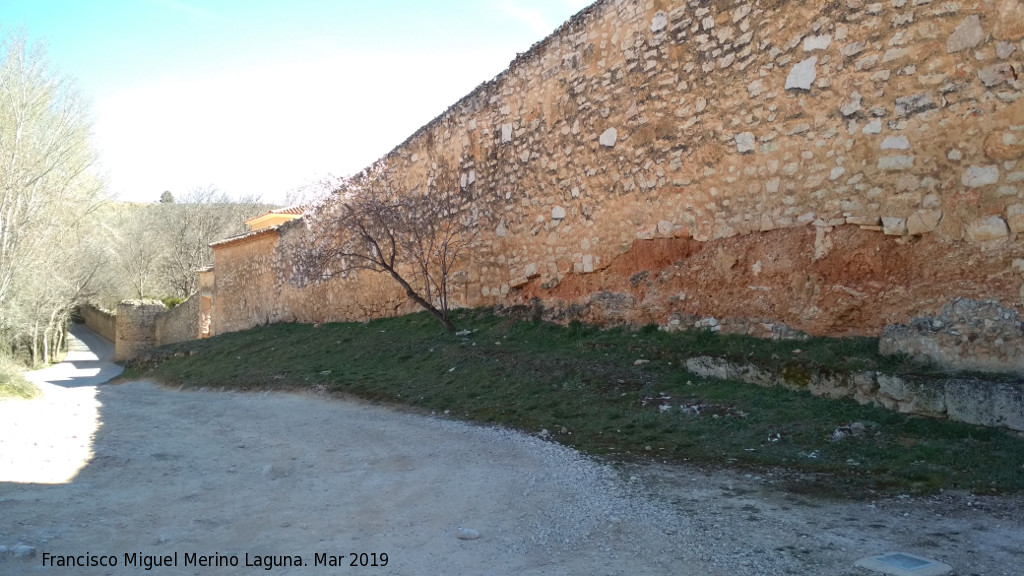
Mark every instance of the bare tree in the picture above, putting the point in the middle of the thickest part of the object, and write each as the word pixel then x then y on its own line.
pixel 371 222
pixel 202 216
pixel 137 247
pixel 157 249
pixel 46 188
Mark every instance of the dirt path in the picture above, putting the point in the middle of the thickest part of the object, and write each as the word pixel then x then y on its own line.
pixel 177 472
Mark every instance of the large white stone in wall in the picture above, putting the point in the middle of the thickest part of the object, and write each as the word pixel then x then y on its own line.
pixel 745 142
pixel 894 163
pixel 659 22
pixel 812 43
pixel 803 74
pixel 558 213
pixel 967 35
pixel 609 137
pixel 894 226
pixel 506 133
pixel 977 176
pixel 896 143
pixel 991 228
pixel 852 104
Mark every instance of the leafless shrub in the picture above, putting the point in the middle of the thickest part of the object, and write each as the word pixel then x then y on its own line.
pixel 371 221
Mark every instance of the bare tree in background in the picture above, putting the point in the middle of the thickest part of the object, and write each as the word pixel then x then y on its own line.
pixel 371 222
pixel 134 238
pixel 195 220
pixel 157 249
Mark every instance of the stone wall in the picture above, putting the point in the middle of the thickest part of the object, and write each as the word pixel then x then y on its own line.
pixel 136 322
pixel 102 322
pixel 179 324
pixel 970 400
pixel 140 325
pixel 966 335
pixel 830 167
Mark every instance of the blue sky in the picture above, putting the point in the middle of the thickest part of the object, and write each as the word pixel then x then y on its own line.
pixel 263 97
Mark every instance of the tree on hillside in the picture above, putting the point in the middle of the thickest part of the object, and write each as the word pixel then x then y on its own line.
pixel 167 197
pixel 201 217
pixel 417 236
pixel 46 189
pixel 156 250
pixel 137 248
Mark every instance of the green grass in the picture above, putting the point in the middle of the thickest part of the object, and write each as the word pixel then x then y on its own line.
pixel 13 384
pixel 581 385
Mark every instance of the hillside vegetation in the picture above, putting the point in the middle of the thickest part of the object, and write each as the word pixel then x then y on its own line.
pixel 13 384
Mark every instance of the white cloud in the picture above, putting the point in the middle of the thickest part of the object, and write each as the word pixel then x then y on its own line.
pixel 267 130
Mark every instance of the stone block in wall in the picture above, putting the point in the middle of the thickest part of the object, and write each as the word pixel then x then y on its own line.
pixel 994 404
pixel 966 36
pixel 832 386
pixel 802 76
pixel 708 367
pixel 1015 218
pixel 987 230
pixel 923 221
pixel 894 226
pixel 924 397
pixel 1004 145
pixel 978 176
pixel 929 398
pixel 891 391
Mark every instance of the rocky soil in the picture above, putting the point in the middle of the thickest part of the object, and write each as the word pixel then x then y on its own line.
pixel 794 277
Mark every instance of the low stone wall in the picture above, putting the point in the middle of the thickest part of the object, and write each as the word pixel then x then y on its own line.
pixel 969 400
pixel 180 323
pixel 965 335
pixel 140 325
pixel 136 323
pixel 102 322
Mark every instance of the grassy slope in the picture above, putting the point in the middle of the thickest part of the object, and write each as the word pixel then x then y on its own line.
pixel 13 385
pixel 582 386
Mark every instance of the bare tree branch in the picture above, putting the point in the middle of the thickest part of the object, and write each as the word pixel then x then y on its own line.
pixel 370 221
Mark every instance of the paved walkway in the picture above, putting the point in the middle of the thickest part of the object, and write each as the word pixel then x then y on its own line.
pixel 49 439
pixel 90 362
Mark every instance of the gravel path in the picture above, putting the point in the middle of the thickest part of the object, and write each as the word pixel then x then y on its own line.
pixel 215 473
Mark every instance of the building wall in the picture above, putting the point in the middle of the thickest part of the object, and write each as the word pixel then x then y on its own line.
pixel 828 166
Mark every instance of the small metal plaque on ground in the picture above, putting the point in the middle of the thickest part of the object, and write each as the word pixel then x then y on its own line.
pixel 904 564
